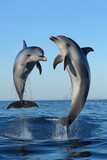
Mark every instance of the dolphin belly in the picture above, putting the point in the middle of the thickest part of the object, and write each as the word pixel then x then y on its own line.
pixel 81 85
pixel 19 85
pixel 20 78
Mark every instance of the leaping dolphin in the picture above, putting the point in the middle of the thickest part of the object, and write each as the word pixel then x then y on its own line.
pixel 25 61
pixel 75 60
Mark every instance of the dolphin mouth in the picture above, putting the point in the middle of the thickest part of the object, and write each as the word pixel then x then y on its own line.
pixel 52 38
pixel 44 59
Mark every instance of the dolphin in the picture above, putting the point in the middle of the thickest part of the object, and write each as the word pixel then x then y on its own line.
pixel 24 63
pixel 75 60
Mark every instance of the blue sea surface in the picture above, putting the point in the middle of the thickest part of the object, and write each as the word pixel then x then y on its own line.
pixel 33 133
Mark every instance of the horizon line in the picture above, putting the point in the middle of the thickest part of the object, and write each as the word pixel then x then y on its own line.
pixel 58 99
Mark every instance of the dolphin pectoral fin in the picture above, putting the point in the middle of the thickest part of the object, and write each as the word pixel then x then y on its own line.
pixel 57 60
pixel 22 104
pixel 38 65
pixel 24 44
pixel 72 69
pixel 22 70
pixel 66 61
pixel 86 50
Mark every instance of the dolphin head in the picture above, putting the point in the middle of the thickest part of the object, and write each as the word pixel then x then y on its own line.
pixel 66 44
pixel 32 56
pixel 63 44
pixel 36 54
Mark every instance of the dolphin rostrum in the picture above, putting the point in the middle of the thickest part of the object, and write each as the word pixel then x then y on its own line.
pixel 75 60
pixel 25 61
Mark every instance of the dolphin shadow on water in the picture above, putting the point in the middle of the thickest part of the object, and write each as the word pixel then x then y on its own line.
pixel 24 63
pixel 75 60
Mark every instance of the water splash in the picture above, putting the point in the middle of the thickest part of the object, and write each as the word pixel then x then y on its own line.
pixel 60 133
pixel 14 93
pixel 19 130
pixel 28 90
pixel 25 133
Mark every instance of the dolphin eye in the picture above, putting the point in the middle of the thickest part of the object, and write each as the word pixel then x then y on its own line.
pixel 67 44
pixel 28 55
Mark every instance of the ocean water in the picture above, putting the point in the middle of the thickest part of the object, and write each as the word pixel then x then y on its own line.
pixel 33 133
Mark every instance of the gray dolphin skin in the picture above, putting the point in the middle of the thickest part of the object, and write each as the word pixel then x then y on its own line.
pixel 75 60
pixel 24 63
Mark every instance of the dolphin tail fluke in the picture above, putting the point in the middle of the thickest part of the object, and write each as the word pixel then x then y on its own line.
pixel 22 104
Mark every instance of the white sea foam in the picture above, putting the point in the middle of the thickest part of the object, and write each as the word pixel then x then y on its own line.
pixel 52 119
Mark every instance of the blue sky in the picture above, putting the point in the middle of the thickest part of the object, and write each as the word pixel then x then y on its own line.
pixel 84 21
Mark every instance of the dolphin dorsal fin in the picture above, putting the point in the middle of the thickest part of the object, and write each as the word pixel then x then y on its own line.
pixel 86 50
pixel 24 44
